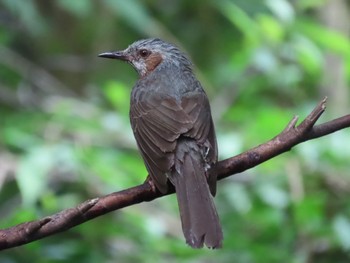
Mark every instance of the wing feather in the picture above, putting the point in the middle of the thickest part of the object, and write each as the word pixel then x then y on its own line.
pixel 158 121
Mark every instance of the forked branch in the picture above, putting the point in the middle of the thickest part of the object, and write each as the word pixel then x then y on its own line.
pixel 291 136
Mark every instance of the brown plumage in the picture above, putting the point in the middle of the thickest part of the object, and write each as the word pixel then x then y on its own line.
pixel 171 119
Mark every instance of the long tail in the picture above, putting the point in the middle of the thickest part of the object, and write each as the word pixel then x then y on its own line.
pixel 200 221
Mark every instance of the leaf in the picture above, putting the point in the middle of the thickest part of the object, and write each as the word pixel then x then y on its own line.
pixel 309 214
pixel 34 169
pixel 80 8
pixel 118 94
pixel 241 20
pixel 32 174
pixel 136 15
pixel 239 197
pixel 327 38
pixel 341 226
pixel 308 54
pixel 273 196
pixel 282 9
pixel 271 28
pixel 27 13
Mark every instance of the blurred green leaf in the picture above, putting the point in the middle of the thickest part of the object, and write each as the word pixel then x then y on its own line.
pixel 136 14
pixel 329 39
pixel 27 13
pixel 80 8
pixel 238 197
pixel 309 214
pixel 341 226
pixel 271 28
pixel 308 54
pixel 32 174
pixel 118 94
pixel 308 4
pixel 241 20
pixel 273 196
pixel 282 9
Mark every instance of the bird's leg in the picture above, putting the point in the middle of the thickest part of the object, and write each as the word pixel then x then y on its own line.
pixel 151 183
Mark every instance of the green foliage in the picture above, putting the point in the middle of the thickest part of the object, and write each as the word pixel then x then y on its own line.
pixel 65 135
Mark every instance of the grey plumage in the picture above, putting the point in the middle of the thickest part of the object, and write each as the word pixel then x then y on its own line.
pixel 170 52
pixel 171 119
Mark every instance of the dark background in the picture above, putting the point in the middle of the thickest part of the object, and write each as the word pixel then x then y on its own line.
pixel 65 135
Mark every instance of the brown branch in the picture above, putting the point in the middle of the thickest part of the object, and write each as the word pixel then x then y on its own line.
pixel 291 136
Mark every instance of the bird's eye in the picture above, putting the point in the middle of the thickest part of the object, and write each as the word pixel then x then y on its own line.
pixel 144 53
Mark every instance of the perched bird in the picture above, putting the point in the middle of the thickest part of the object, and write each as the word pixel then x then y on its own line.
pixel 172 124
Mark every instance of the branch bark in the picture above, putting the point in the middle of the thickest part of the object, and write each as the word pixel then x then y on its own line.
pixel 291 136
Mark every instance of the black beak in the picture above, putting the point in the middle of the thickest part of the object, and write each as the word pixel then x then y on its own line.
pixel 115 55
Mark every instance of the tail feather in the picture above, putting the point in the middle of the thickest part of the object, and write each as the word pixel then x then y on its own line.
pixel 199 218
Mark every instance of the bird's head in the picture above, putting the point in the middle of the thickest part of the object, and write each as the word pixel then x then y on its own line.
pixel 147 54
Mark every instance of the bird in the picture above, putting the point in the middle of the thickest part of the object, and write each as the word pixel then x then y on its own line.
pixel 171 120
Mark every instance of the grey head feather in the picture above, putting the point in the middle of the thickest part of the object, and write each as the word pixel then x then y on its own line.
pixel 169 52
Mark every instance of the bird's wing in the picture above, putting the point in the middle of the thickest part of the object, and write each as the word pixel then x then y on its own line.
pixel 159 121
pixel 196 105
